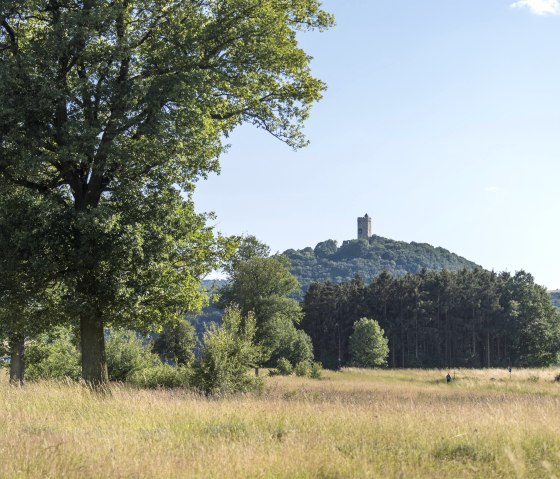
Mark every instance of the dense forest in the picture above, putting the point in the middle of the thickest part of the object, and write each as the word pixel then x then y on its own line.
pixel 330 262
pixel 469 318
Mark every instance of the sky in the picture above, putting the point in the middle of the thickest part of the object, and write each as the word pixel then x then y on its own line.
pixel 441 121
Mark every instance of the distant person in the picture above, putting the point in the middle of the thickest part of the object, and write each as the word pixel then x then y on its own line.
pixel 448 377
pixel 509 371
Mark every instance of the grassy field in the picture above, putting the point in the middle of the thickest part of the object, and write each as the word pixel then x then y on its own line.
pixel 350 424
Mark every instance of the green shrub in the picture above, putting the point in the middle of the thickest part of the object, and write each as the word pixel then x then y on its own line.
pixel 302 368
pixel 127 354
pixel 176 343
pixel 53 355
pixel 161 376
pixel 227 354
pixel 284 367
pixel 296 346
pixel 316 370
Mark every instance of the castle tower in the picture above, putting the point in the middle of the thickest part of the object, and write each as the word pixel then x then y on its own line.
pixel 364 227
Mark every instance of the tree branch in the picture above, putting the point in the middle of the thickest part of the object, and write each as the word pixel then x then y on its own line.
pixel 11 33
pixel 45 189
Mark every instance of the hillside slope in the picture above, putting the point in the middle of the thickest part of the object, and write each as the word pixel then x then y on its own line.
pixel 555 298
pixel 330 262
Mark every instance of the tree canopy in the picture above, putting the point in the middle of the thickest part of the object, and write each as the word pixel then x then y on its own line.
pixel 368 345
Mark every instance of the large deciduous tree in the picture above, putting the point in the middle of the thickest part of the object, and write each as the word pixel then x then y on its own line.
pixel 108 107
pixel 264 287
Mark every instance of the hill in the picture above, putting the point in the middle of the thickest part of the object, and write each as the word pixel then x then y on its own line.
pixel 555 298
pixel 330 262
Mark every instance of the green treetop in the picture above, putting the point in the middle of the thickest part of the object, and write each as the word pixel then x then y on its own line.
pixel 265 287
pixel 368 345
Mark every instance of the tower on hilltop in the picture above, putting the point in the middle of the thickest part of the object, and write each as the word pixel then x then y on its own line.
pixel 364 227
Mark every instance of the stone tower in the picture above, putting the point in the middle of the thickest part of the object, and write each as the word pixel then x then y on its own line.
pixel 364 227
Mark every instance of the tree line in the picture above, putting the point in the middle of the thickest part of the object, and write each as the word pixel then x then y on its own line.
pixel 469 318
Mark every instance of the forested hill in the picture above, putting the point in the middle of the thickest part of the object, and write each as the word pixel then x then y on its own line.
pixel 555 298
pixel 330 262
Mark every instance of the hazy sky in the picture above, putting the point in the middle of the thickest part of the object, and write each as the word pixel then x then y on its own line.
pixel 441 121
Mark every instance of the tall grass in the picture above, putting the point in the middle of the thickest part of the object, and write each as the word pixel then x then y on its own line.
pixel 350 424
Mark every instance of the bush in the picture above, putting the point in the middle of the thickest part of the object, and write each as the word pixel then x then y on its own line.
pixel 127 354
pixel 302 368
pixel 316 370
pixel 369 347
pixel 284 367
pixel 176 343
pixel 161 376
pixel 295 345
pixel 53 355
pixel 300 348
pixel 226 355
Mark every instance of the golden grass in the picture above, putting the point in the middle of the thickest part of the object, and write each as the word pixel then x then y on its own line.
pixel 350 424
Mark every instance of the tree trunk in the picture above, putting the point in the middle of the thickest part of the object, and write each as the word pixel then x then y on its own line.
pixel 447 359
pixel 488 347
pixel 17 360
pixel 416 337
pixel 402 347
pixel 473 334
pixel 92 341
pixel 394 352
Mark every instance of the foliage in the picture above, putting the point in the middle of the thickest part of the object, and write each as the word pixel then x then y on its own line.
pixel 295 346
pixel 227 353
pixel 439 319
pixel 176 343
pixel 555 298
pixel 126 354
pixel 316 370
pixel 161 376
pixel 53 355
pixel 368 345
pixel 29 297
pixel 302 368
pixel 108 109
pixel 264 286
pixel 284 367
pixel 249 247
pixel 338 264
pixel 536 321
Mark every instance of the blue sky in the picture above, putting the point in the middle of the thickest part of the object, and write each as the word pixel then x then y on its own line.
pixel 441 121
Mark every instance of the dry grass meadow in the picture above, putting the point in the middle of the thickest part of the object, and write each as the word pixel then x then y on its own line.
pixel 350 424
